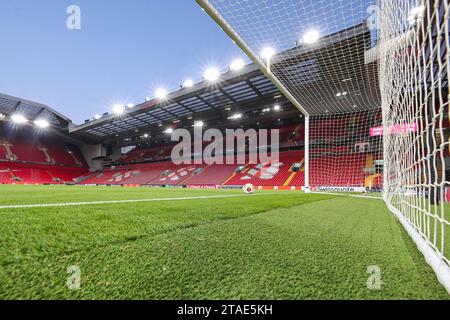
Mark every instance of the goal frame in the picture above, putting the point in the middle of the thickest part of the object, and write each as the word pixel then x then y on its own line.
pixel 229 30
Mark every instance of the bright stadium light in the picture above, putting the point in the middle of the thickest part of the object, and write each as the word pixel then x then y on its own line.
pixel 267 53
pixel 146 135
pixel 19 119
pixel 188 83
pixel 97 116
pixel 198 124
pixel 310 37
pixel 212 74
pixel 168 131
pixel 42 123
pixel 236 116
pixel 161 94
pixel 237 65
pixel 118 109
pixel 276 107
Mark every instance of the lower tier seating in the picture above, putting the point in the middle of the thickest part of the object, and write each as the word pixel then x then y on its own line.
pixel 16 173
pixel 336 171
pixel 288 171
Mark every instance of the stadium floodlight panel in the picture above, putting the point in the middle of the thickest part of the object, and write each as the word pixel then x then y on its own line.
pixel 199 124
pixel 188 83
pixel 311 36
pixel 237 65
pixel 161 94
pixel 276 107
pixel 18 118
pixel 168 131
pixel 118 109
pixel 42 123
pixel 212 74
pixel 267 53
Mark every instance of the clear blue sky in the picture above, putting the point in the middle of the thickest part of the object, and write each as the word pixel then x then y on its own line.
pixel 124 50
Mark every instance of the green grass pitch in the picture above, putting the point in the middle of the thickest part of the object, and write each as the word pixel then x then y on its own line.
pixel 220 244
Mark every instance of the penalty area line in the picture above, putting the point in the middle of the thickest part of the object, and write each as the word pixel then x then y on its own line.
pixel 73 204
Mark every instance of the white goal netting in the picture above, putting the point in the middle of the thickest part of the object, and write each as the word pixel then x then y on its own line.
pixel 345 152
pixel 371 77
pixel 414 65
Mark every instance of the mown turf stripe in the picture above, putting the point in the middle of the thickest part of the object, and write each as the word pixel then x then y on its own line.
pixel 69 204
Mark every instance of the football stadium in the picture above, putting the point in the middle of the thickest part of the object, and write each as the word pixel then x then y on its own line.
pixel 313 167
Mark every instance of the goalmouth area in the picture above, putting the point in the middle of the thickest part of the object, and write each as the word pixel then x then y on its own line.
pixel 205 244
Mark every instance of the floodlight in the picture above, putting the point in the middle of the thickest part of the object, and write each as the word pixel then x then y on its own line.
pixel 42 123
pixel 235 116
pixel 310 37
pixel 18 118
pixel 118 109
pixel 188 83
pixel 237 65
pixel 276 107
pixel 97 116
pixel 212 74
pixel 198 124
pixel 161 94
pixel 267 53
pixel 168 131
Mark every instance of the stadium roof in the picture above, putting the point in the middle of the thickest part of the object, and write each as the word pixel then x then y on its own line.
pixel 249 88
pixel 234 91
pixel 10 105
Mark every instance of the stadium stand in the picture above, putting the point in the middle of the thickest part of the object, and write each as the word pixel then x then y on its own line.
pixel 246 101
pixel 150 165
pixel 42 161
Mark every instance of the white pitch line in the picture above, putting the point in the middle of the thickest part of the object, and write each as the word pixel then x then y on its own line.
pixel 72 204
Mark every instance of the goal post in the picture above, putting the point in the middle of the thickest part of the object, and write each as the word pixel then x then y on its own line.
pixel 307 185
pixel 264 66
pixel 414 66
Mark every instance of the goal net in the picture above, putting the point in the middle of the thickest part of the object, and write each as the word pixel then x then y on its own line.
pixel 371 79
pixel 414 65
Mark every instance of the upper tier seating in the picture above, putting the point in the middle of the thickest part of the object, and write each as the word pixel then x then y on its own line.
pixel 290 136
